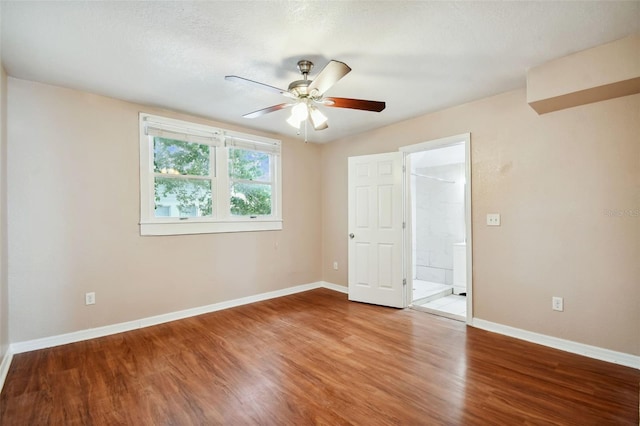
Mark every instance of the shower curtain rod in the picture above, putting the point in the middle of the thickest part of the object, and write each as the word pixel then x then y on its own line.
pixel 434 178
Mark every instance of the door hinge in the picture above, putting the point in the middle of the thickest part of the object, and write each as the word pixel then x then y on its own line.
pixel 404 225
pixel 404 281
pixel 404 168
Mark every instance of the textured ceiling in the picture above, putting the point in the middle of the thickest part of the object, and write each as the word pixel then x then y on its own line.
pixel 417 56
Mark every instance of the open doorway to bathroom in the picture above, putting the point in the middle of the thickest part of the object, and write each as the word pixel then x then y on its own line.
pixel 440 228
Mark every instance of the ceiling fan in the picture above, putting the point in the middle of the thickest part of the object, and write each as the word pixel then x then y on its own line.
pixel 306 95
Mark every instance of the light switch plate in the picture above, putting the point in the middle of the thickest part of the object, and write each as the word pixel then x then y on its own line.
pixel 493 219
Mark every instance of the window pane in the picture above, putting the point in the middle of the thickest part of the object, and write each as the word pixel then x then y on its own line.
pixel 250 199
pixel 163 211
pixel 182 197
pixel 249 165
pixel 180 158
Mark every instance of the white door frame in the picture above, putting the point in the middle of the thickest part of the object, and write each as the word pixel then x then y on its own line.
pixel 425 146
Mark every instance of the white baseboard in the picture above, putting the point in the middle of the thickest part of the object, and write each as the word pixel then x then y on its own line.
pixel 4 366
pixel 595 352
pixel 77 336
pixel 334 287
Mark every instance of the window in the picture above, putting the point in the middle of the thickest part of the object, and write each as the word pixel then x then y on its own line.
pixel 182 178
pixel 200 179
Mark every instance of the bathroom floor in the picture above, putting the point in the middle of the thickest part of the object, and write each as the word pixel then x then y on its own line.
pixel 438 299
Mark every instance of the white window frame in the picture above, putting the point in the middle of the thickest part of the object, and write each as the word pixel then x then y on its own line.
pixel 219 139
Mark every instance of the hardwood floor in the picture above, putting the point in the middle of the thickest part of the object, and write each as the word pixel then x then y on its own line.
pixel 314 358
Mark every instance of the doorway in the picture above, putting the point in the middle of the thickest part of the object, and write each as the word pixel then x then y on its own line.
pixel 438 210
pixel 383 265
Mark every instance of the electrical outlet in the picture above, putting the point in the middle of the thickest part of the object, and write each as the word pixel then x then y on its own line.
pixel 335 265
pixel 557 303
pixel 90 298
pixel 493 219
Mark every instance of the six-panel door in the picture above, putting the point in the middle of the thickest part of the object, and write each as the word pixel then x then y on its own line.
pixel 375 229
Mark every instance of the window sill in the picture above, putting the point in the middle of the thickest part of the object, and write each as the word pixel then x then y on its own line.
pixel 185 228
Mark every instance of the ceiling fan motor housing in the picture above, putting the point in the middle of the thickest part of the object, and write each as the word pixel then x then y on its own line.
pixel 300 87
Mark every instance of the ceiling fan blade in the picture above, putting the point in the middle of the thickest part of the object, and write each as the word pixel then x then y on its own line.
pixel 264 111
pixel 260 85
pixel 329 76
pixel 354 104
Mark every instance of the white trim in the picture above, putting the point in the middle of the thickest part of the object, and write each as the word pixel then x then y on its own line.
pixel 92 333
pixel 439 313
pixel 436 143
pixel 253 138
pixel 408 246
pixel 4 366
pixel 469 226
pixel 221 219
pixel 184 126
pixel 199 227
pixel 269 146
pixel 335 287
pixel 595 352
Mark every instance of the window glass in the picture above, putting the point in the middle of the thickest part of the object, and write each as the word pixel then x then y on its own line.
pixel 175 157
pixel 179 197
pixel 163 211
pixel 250 199
pixel 250 179
pixel 249 165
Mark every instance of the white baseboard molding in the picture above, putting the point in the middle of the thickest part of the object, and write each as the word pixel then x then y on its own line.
pixel 334 287
pixel 4 366
pixel 92 333
pixel 595 352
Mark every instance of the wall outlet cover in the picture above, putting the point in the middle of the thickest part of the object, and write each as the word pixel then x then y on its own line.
pixel 557 303
pixel 90 298
pixel 493 219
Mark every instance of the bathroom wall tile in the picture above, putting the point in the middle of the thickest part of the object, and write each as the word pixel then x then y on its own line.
pixel 431 274
pixel 422 257
pixel 442 258
pixel 433 243
pixel 439 221
pixel 448 276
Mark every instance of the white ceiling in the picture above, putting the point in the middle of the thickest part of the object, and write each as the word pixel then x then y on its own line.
pixel 417 56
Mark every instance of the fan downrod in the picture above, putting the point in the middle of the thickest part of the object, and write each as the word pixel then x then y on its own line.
pixel 299 87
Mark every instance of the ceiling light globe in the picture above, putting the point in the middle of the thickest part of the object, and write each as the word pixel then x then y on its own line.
pixel 293 122
pixel 317 116
pixel 300 112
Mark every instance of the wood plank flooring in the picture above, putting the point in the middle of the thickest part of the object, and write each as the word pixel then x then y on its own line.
pixel 314 358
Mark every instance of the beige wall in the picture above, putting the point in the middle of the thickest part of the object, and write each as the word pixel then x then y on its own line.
pixel 73 213
pixel 553 178
pixel 4 286
pixel 603 72
pixel 73 222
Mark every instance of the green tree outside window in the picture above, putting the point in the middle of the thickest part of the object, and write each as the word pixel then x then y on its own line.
pixel 249 173
pixel 178 158
pixel 245 168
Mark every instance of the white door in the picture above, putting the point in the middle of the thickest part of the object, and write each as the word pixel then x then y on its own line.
pixel 376 271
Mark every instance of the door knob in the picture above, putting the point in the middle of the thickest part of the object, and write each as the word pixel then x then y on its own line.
pixel 351 236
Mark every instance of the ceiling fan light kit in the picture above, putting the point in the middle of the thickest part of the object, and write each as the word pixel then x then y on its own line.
pixel 300 111
pixel 317 117
pixel 307 94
